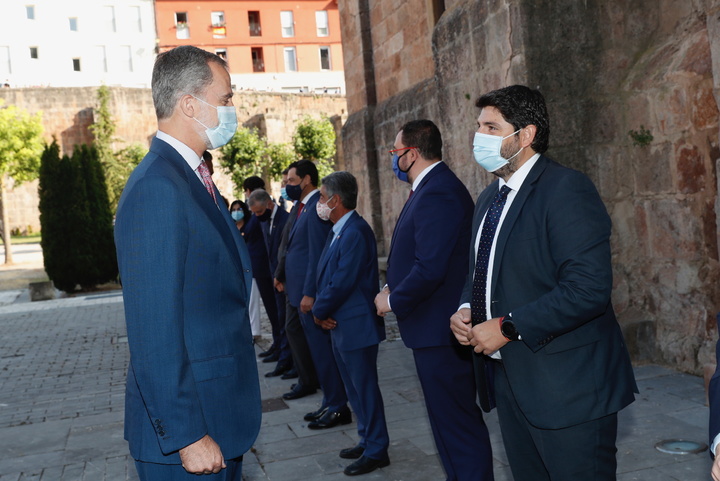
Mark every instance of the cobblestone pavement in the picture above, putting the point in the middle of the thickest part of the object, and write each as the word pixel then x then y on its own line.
pixel 62 374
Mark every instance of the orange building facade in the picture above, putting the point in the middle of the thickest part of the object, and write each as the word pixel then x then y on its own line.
pixel 271 45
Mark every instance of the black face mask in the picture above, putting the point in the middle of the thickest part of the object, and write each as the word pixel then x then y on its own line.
pixel 265 215
pixel 293 191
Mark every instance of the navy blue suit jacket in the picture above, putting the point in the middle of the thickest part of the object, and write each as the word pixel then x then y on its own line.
pixel 256 247
pixel 272 242
pixel 427 263
pixel 552 270
pixel 347 282
pixel 714 395
pixel 186 284
pixel 305 244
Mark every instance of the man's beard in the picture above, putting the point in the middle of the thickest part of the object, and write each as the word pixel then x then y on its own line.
pixel 506 152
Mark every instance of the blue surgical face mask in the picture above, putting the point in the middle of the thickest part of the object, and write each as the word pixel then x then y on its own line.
pixel 225 129
pixel 237 215
pixel 283 194
pixel 399 173
pixel 486 150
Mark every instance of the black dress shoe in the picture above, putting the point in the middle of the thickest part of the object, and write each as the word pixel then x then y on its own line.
pixel 331 419
pixel 273 357
pixel 278 371
pixel 352 453
pixel 315 414
pixel 268 352
pixel 366 465
pixel 291 374
pixel 298 392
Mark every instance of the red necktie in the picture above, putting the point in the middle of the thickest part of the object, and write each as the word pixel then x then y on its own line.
pixel 411 193
pixel 300 208
pixel 206 179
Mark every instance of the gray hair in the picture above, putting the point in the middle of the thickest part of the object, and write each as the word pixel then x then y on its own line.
pixel 344 185
pixel 259 196
pixel 182 70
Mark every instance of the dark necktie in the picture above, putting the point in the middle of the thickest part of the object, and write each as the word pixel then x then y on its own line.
pixel 477 304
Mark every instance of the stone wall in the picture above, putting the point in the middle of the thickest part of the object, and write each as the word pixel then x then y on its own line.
pixel 68 112
pixel 605 68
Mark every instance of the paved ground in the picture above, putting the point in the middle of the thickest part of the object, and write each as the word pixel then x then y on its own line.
pixel 62 373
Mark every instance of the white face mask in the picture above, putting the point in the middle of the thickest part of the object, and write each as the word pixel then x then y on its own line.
pixel 225 129
pixel 486 150
pixel 323 211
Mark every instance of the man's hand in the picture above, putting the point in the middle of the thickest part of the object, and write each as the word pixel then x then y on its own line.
pixel 327 324
pixel 486 337
pixel 202 457
pixel 460 326
pixel 306 304
pixel 716 468
pixel 381 302
pixel 279 286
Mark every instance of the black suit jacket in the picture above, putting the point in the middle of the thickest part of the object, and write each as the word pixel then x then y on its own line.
pixel 552 270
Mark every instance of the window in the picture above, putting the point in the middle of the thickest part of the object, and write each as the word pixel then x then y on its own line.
pixel 257 59
pixel 33 52
pixel 73 24
pixel 135 19
pixel 125 60
pixel 182 30
pixel 325 58
pixel 321 21
pixel 288 25
pixel 30 12
pixel 5 66
pixel 222 53
pixel 290 59
pixel 254 22
pixel 109 12
pixel 217 20
pixel 76 64
pixel 102 58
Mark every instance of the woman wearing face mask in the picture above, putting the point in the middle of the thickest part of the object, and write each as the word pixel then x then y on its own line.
pixel 241 215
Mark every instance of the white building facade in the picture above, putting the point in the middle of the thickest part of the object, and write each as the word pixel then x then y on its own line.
pixel 77 43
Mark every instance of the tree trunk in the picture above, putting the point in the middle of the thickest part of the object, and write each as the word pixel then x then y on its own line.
pixel 5 220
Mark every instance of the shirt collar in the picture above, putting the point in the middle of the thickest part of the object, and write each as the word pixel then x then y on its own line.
pixel 517 179
pixel 186 152
pixel 341 223
pixel 422 175
pixel 307 197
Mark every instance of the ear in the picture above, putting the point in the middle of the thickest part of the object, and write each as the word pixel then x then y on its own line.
pixel 186 105
pixel 527 135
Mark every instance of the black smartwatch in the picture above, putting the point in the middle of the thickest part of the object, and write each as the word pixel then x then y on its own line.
pixel 507 327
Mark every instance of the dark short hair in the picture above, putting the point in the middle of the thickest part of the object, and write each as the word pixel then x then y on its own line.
pixel 306 167
pixel 253 182
pixel 424 135
pixel 344 185
pixel 521 106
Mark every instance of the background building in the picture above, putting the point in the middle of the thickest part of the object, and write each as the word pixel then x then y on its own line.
pixel 270 45
pixel 76 43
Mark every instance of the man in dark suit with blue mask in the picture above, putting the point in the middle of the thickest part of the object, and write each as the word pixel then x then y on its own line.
pixel 192 397
pixel 536 304
pixel 425 275
pixel 347 281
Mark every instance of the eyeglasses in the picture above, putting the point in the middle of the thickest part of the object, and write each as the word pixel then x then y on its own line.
pixel 407 149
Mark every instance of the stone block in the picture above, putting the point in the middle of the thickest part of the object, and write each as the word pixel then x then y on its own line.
pixel 42 291
pixel 640 337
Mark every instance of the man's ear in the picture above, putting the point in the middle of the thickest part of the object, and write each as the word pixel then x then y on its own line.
pixel 527 135
pixel 186 104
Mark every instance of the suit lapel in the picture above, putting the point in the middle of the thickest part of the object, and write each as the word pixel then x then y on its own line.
pixel 513 213
pixel 330 245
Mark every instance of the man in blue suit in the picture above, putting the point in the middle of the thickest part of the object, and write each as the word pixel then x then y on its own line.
pixel 425 275
pixel 192 397
pixel 347 281
pixel 272 220
pixel 537 304
pixel 305 244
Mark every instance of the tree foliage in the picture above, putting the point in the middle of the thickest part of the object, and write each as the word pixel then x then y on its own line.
pixel 244 155
pixel 77 242
pixel 21 145
pixel 314 139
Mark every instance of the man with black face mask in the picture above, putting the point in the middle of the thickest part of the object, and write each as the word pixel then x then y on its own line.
pixel 272 221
